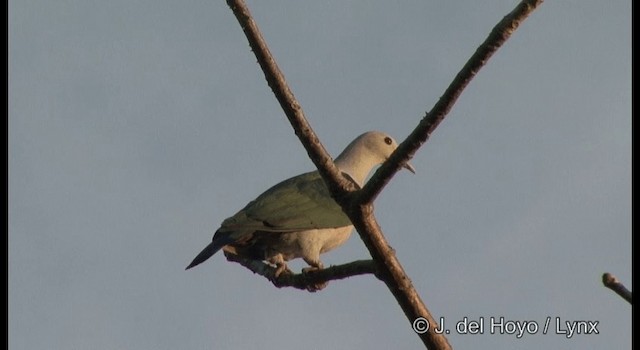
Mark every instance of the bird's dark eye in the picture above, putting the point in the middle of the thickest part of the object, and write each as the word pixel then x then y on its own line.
pixel 388 140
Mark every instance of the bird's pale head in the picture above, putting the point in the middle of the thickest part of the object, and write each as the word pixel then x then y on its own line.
pixel 365 152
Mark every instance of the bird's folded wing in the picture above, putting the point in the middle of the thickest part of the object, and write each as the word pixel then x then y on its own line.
pixel 299 203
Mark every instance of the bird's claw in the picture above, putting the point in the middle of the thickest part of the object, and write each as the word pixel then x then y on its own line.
pixel 315 286
pixel 282 268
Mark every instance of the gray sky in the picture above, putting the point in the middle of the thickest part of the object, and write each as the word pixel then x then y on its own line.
pixel 136 127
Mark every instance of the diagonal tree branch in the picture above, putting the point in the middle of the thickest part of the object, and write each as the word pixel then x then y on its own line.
pixel 391 272
pixel 360 210
pixel 405 151
pixel 405 293
pixel 337 184
pixel 311 281
pixel 610 281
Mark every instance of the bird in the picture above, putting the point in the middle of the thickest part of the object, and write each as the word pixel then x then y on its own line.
pixel 298 218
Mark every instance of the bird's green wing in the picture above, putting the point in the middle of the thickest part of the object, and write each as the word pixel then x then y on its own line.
pixel 299 203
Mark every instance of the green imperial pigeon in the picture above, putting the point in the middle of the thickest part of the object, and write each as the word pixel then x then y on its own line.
pixel 297 218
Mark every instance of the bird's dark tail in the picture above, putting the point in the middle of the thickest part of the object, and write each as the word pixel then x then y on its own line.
pixel 205 254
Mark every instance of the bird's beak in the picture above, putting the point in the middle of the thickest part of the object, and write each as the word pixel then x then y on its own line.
pixel 410 167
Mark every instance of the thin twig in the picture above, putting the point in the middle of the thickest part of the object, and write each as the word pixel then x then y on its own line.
pixel 307 280
pixel 610 281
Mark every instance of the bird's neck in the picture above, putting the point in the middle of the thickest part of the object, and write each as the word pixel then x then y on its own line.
pixel 358 168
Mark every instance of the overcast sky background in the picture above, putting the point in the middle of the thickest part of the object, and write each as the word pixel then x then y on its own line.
pixel 136 127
